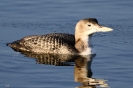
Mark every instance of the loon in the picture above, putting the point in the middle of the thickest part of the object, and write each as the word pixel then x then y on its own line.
pixel 62 43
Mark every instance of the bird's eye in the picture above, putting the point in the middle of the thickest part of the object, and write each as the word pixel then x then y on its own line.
pixel 89 25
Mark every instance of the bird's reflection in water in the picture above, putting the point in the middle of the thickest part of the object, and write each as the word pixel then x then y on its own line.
pixel 82 67
pixel 83 73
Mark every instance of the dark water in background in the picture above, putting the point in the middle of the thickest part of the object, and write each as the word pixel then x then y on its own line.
pixel 114 50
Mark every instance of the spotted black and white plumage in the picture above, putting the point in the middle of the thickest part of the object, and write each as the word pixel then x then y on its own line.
pixel 50 43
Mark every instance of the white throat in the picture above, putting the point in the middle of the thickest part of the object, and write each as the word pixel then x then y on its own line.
pixel 84 46
pixel 89 49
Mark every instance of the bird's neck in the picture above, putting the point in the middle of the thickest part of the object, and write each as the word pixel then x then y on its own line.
pixel 83 44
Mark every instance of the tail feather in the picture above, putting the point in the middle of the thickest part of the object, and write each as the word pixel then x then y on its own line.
pixel 8 44
pixel 16 46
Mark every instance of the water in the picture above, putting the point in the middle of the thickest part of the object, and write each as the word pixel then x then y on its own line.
pixel 114 50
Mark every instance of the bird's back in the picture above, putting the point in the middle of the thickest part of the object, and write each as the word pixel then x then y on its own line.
pixel 60 43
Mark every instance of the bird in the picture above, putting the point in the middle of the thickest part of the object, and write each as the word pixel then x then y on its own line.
pixel 62 43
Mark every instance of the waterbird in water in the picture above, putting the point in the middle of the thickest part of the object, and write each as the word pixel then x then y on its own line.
pixel 62 43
